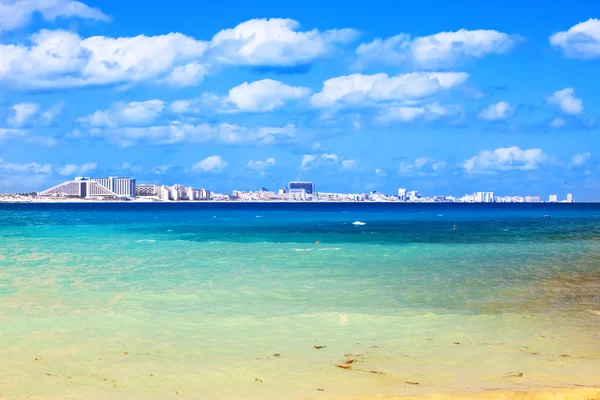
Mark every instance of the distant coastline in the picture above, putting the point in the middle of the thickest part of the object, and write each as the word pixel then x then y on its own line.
pixel 42 200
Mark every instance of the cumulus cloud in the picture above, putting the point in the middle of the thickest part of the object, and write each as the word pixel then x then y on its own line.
pixel 60 59
pixel 505 159
pixel 349 164
pixel 330 157
pixel 380 172
pixel 359 88
pixel 557 123
pixel 275 42
pixel 261 165
pixel 566 101
pixel 182 106
pixel 580 41
pixel 22 112
pixel 190 74
pixel 10 133
pixel 16 14
pixel 134 113
pixel 213 164
pixel 50 114
pixel 407 114
pixel 72 169
pixel 161 169
pixel 29 168
pixel 178 132
pixel 581 159
pixel 421 166
pixel 444 49
pixel 326 160
pixel 264 95
pixel 306 160
pixel 500 110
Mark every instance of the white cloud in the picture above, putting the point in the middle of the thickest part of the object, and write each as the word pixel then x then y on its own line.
pixel 500 110
pixel 161 169
pixel 60 59
pixel 30 168
pixel 210 164
pixel 349 164
pixel 134 113
pixel 580 41
pixel 505 159
pixel 406 114
pixel 275 42
pixel 443 49
pixel 380 172
pixel 421 166
pixel 177 132
pixel 16 14
pixel 51 113
pixel 557 123
pixel 127 167
pixel 182 106
pixel 22 112
pixel 261 165
pixel 72 169
pixel 10 133
pixel 580 159
pixel 306 160
pixel 403 114
pixel 264 95
pixel 330 157
pixel 358 88
pixel 567 102
pixel 187 75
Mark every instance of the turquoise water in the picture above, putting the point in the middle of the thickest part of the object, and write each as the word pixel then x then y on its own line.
pixel 137 301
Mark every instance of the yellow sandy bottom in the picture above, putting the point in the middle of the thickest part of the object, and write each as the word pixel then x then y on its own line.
pixel 558 394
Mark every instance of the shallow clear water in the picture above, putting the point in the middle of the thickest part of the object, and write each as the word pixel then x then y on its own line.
pixel 138 301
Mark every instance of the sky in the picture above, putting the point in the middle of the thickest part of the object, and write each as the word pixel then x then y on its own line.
pixel 446 98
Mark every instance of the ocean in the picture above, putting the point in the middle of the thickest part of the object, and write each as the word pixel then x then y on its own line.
pixel 294 301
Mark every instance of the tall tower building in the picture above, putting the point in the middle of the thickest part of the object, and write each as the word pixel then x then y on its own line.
pixel 402 194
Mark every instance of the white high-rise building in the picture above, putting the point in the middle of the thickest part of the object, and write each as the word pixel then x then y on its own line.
pixel 484 197
pixel 402 194
pixel 569 198
pixel 413 195
pixel 120 186
pixel 94 187
pixel 553 198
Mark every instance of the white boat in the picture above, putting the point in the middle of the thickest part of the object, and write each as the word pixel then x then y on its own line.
pixel 358 223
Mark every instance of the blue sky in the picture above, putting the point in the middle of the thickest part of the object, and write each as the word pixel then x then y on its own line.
pixel 441 97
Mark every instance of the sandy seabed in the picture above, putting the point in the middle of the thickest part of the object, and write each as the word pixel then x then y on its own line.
pixel 558 394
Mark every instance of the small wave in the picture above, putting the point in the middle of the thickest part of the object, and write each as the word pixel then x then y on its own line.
pixel 302 249
pixel 258 216
pixel 359 223
pixel 440 215
pixel 169 230
pixel 330 249
pixel 145 241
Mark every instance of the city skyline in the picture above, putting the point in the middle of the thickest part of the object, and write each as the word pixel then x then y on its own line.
pixel 248 97
pixel 127 188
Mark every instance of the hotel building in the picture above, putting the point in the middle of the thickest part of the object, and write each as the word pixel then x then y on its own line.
pixel 309 187
pixel 112 187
